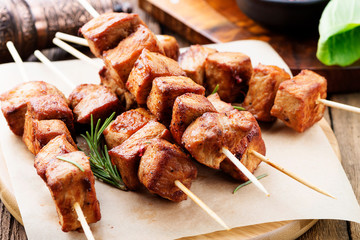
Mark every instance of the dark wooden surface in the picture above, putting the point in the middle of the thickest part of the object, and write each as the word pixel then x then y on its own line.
pixel 205 21
pixel 345 125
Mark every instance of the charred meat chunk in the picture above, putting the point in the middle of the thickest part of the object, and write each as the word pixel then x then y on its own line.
pixel 14 102
pixel 125 125
pixel 162 164
pixel 165 90
pixel 219 105
pixel 231 71
pixel 187 108
pixel 193 62
pixel 120 60
pixel 296 100
pixel 262 91
pixel 170 46
pixel 93 99
pixel 149 66
pixel 127 156
pixel 107 30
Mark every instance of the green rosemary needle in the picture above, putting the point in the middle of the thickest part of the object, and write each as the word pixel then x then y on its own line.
pixel 215 89
pixel 248 182
pixel 239 108
pixel 70 161
pixel 100 162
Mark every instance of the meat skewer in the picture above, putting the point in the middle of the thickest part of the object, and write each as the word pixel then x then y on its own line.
pixel 201 204
pixel 140 81
pixel 76 205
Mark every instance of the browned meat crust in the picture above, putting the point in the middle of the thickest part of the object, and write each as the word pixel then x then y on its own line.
pixel 93 99
pixel 295 101
pixel 193 62
pixel 148 67
pixel 67 183
pixel 107 30
pixel 51 107
pixel 187 108
pixel 126 125
pixel 120 60
pixel 165 90
pixel 162 164
pixel 14 102
pixel 231 71
pixel 219 105
pixel 127 156
pixel 262 91
pixel 170 45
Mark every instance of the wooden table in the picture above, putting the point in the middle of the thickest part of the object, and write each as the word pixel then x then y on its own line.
pixel 345 125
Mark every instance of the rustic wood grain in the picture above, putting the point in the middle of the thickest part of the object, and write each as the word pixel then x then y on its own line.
pixel 347 130
pixel 205 21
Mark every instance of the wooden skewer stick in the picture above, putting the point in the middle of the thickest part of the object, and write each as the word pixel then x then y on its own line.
pixel 293 176
pixel 72 39
pixel 339 105
pixel 15 55
pixel 76 53
pixel 89 8
pixel 201 204
pixel 244 170
pixel 83 222
pixel 47 62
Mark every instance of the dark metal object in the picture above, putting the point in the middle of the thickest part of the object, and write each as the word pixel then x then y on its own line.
pixel 285 15
pixel 32 24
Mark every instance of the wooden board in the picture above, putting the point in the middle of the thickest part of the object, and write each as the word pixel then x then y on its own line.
pixel 206 21
pixel 269 231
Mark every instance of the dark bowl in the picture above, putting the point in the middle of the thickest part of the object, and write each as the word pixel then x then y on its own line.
pixel 293 15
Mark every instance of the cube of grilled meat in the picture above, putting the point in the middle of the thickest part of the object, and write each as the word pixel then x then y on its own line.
pixel 162 164
pixel 296 100
pixel 93 99
pixel 170 45
pixel 262 91
pixel 51 107
pixel 14 102
pixel 148 67
pixel 187 108
pixel 127 156
pixel 165 90
pixel 193 62
pixel 117 86
pixel 208 134
pixel 38 133
pixel 55 147
pixel 69 185
pixel 107 30
pixel 219 105
pixel 231 71
pixel 252 141
pixel 126 125
pixel 120 60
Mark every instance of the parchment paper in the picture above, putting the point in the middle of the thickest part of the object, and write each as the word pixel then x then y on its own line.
pixel 140 215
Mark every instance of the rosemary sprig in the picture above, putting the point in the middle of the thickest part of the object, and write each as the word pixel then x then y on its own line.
pixel 100 162
pixel 70 161
pixel 248 182
pixel 239 108
pixel 215 89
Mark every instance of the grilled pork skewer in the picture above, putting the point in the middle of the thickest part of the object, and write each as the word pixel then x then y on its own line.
pixel 84 98
pixel 147 67
pixel 39 128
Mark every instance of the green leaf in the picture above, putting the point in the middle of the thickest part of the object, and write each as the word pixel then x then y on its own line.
pixel 248 182
pixel 70 161
pixel 339 28
pixel 215 89
pixel 239 108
